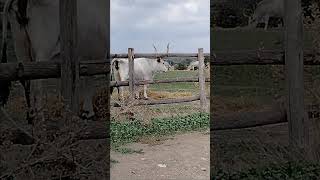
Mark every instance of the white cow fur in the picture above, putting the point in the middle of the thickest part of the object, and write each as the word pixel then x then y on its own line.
pixel 144 69
pixel 266 9
pixel 42 33
pixel 193 65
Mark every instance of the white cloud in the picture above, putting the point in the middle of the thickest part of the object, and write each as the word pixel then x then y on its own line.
pixel 139 23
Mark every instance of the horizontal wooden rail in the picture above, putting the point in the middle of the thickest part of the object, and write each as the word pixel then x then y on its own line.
pixel 163 101
pixel 241 120
pixel 50 69
pixel 126 83
pixel 152 55
pixel 47 69
pixel 256 57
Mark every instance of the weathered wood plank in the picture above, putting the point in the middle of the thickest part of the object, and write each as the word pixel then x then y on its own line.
pixel 241 120
pixel 46 69
pixel 166 101
pixel 256 57
pixel 151 55
pixel 131 72
pixel 297 119
pixel 202 82
pixel 126 83
pixel 69 54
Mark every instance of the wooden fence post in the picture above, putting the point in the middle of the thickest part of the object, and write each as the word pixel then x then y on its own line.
pixel 202 81
pixel 131 72
pixel 297 119
pixel 69 54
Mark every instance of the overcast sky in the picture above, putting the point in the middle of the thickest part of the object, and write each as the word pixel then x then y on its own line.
pixel 140 23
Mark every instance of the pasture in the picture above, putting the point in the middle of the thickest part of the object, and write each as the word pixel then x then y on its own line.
pixel 249 153
pixel 163 91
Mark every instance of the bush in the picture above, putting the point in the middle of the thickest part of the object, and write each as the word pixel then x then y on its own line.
pixel 180 66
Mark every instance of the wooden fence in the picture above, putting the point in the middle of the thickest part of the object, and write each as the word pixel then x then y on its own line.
pixel 132 83
pixel 294 58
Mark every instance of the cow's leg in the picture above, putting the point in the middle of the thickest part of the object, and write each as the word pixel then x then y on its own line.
pixel 145 95
pixel 266 23
pixel 137 92
pixel 121 94
pixel 118 89
pixel 87 92
pixel 26 86
pixel 36 95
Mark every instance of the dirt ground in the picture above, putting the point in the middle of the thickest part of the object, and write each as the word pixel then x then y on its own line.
pixel 182 157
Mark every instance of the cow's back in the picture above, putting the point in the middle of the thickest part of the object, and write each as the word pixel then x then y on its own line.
pixel 142 71
pixel 44 28
pixel 93 30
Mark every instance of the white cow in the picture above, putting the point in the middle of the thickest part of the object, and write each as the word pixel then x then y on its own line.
pixel 144 69
pixel 193 65
pixel 266 9
pixel 35 29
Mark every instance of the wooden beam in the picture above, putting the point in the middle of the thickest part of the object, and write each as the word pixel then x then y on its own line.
pixel 202 82
pixel 47 69
pixel 50 69
pixel 92 130
pixel 131 72
pixel 241 120
pixel 297 118
pixel 126 83
pixel 151 55
pixel 256 57
pixel 164 101
pixel 69 54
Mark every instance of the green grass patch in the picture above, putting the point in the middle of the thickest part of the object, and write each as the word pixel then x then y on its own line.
pixel 175 87
pixel 126 132
pixel 290 170
pixel 124 150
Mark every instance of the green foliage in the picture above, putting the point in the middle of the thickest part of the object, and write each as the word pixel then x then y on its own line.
pixel 290 170
pixel 181 66
pixel 126 132
pixel 128 150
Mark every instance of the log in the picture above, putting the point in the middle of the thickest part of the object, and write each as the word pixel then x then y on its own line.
pixel 131 72
pixel 297 118
pixel 202 82
pixel 257 57
pixel 70 75
pixel 151 55
pixel 47 69
pixel 167 101
pixel 242 120
pixel 50 69
pixel 92 130
pixel 126 83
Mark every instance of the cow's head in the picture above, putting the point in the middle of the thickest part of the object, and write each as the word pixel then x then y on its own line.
pixel 161 65
pixel 248 14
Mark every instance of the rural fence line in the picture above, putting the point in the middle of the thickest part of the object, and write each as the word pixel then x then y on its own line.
pixel 132 82
pixel 52 69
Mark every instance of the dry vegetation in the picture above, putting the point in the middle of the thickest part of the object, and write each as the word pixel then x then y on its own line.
pixel 54 147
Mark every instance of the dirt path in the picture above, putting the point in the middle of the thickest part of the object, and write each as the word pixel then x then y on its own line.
pixel 183 157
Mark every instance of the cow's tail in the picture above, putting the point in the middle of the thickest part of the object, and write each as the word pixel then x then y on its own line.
pixel 5 85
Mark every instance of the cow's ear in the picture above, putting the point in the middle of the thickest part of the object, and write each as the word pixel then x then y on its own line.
pixel 158 59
